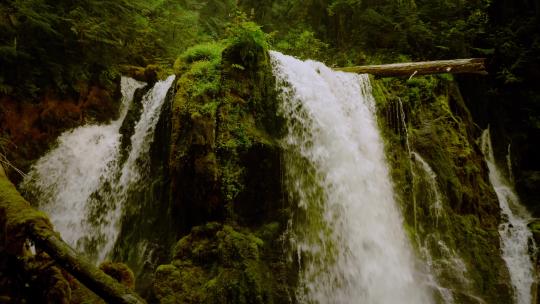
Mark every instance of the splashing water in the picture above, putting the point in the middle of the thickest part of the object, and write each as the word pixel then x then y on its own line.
pixel 515 235
pixel 137 163
pixel 348 231
pixel 444 263
pixel 402 119
pixel 64 178
pixel 436 206
pixel 77 182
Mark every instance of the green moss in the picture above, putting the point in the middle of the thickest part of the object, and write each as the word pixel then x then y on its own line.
pixel 269 231
pixel 207 91
pixel 209 108
pixel 378 91
pixel 215 264
pixel 119 272
pixel 18 217
pixel 250 34
pixel 534 226
pixel 225 166
pixel 178 285
pixel 438 128
pixel 202 52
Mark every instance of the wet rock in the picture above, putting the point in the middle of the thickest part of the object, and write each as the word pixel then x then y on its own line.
pixel 119 272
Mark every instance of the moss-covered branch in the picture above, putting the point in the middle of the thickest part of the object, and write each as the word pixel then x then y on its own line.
pixel 21 221
pixel 455 66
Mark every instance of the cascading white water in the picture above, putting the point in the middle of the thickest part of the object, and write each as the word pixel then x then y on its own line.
pixel 448 264
pixel 515 235
pixel 436 206
pixel 348 231
pixel 509 163
pixel 82 185
pixel 138 159
pixel 64 179
pixel 403 121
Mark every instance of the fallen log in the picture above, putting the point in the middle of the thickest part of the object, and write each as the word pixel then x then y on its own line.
pixel 455 66
pixel 22 221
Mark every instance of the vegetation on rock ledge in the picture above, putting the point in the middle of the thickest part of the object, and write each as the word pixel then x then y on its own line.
pixel 225 170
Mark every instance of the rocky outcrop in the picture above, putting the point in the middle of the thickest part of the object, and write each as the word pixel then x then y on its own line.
pixel 149 74
pixel 429 115
pixel 216 263
pixel 226 196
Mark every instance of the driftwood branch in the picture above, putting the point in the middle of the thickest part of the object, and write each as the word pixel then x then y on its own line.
pixel 455 66
pixel 22 221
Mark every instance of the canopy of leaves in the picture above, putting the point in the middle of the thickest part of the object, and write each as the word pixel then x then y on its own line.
pixel 57 44
pixel 353 31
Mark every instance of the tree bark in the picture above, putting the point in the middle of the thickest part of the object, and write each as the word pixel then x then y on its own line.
pixel 455 66
pixel 22 221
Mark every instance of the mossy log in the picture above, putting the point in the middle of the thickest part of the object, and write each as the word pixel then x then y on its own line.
pixel 22 221
pixel 455 66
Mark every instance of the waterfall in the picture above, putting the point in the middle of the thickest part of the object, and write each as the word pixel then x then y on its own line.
pixel 347 230
pixel 81 183
pixel 434 195
pixel 514 233
pixel 402 119
pixel 444 262
pixel 509 163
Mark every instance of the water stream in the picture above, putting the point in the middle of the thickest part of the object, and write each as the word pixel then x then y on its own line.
pixel 449 273
pixel 82 184
pixel 348 231
pixel 515 235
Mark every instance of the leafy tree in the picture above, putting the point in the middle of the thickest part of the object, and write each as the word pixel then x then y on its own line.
pixel 303 45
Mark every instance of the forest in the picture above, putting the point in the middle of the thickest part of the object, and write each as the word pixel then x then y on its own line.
pixel 205 151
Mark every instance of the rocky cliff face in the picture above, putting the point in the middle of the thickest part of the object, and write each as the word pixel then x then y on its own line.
pixel 451 212
pixel 226 197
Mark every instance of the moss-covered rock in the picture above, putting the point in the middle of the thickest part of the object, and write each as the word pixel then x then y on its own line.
pixel 224 114
pixel 216 263
pixel 149 74
pixel 119 272
pixel 428 116
pixel 225 172
pixel 25 276
pixel 193 164
pixel 17 218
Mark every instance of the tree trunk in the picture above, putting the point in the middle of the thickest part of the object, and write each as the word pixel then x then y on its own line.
pixel 455 66
pixel 22 221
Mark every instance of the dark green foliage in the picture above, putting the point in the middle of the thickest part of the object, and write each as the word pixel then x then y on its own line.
pixel 215 264
pixel 382 29
pixel 509 99
pixel 56 43
pixel 59 44
pixel 207 52
pixel 303 45
pixel 249 34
